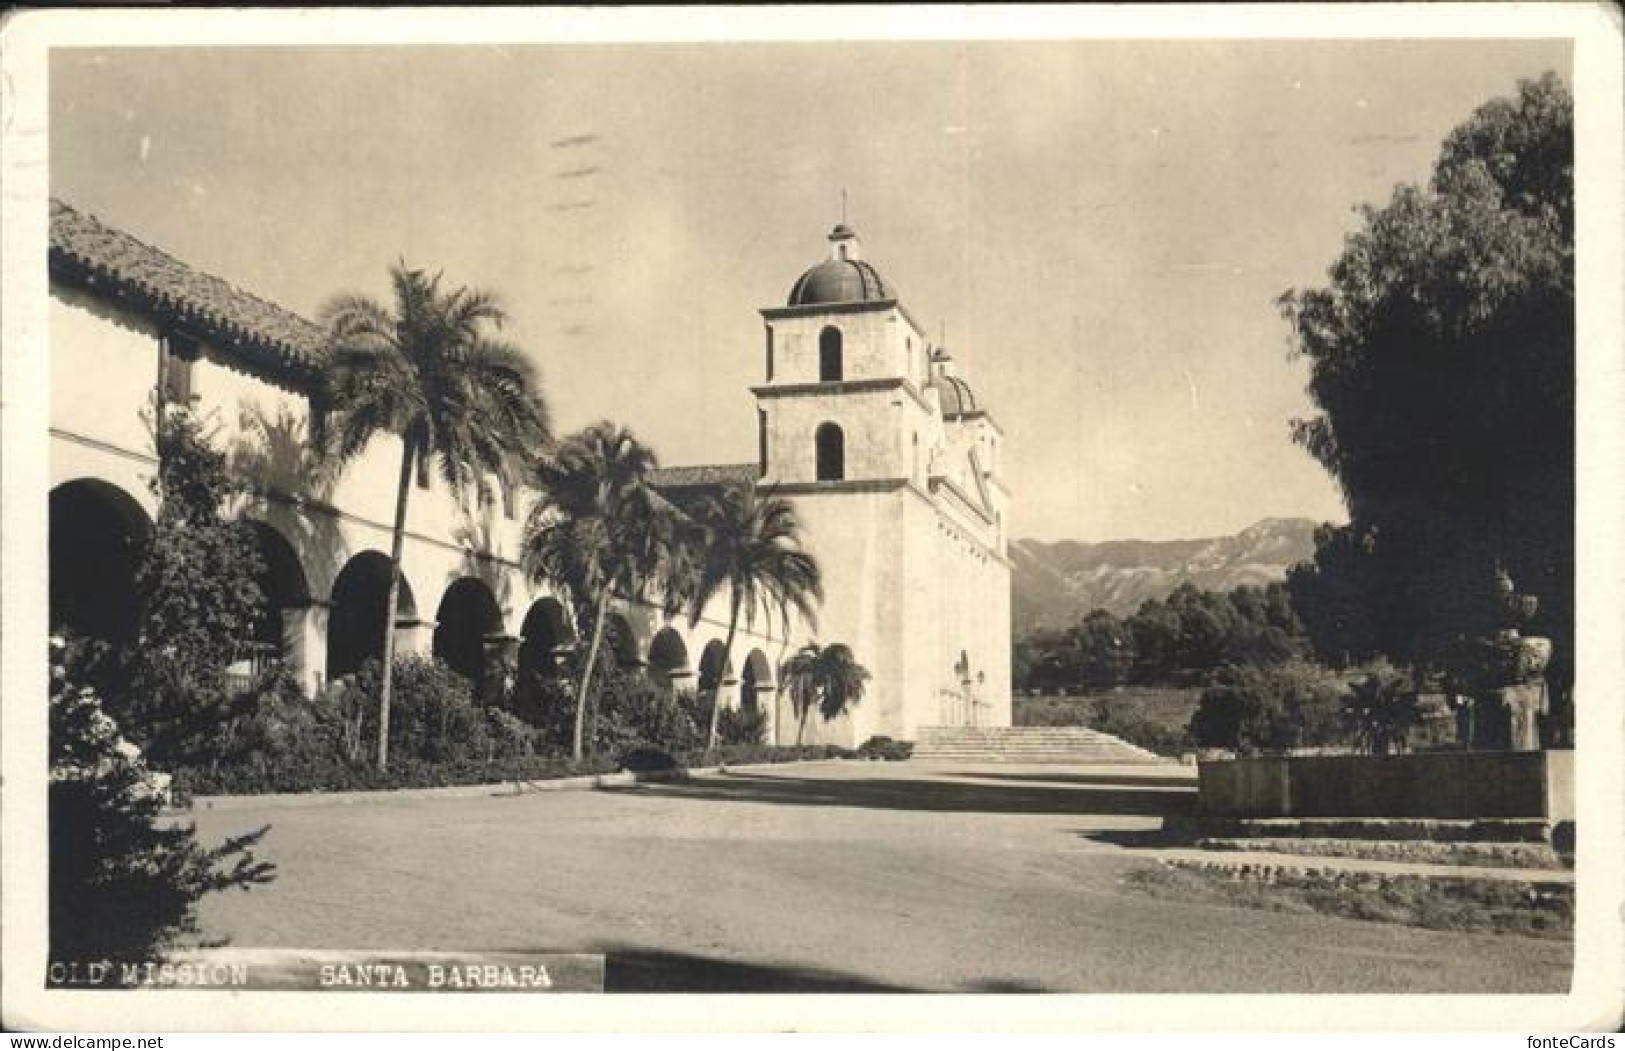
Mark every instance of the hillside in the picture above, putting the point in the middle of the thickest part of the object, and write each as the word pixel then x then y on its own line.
pixel 1055 584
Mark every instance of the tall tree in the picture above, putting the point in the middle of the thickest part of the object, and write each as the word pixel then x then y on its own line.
pixel 1441 358
pixel 598 530
pixel 751 551
pixel 460 401
pixel 828 678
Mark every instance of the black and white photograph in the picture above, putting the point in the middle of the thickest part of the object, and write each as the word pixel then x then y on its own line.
pixel 998 510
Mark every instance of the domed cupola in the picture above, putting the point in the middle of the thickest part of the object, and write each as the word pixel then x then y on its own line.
pixel 842 278
pixel 954 394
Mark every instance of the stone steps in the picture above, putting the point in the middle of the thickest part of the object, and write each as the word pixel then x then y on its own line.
pixel 1074 745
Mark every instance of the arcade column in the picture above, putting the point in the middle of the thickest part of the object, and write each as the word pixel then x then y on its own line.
pixel 304 642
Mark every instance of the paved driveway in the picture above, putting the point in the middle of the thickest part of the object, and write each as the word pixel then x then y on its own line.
pixel 839 877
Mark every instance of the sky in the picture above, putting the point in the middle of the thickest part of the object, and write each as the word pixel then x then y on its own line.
pixel 1098 230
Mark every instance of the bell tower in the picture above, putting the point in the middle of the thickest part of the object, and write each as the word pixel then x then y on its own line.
pixel 842 401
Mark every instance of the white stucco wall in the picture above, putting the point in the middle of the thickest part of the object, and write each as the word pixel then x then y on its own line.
pixel 876 344
pixel 914 574
pixel 104 366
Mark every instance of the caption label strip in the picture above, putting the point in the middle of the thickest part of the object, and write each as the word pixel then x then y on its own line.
pixel 297 970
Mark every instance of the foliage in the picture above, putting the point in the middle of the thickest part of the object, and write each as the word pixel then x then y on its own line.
pixel 629 711
pixel 281 742
pixel 1492 906
pixel 749 754
pixel 1441 357
pixel 1381 709
pixel 827 678
pixel 1130 723
pixel 425 370
pixel 742 726
pixel 1271 709
pixel 274 727
pixel 748 546
pixel 124 883
pixel 598 530
pixel 199 599
pixel 1154 718
pixel 884 748
pixel 1181 639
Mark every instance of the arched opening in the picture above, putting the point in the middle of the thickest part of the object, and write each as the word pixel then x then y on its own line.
pixel 829 355
pixel 281 581
pixel 468 613
pixel 756 679
pixel 619 641
pixel 97 532
pixel 544 638
pixel 713 670
pixel 831 453
pixel 668 659
pixel 355 625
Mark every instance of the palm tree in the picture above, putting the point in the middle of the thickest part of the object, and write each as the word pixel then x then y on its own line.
pixel 427 372
pixel 752 550
pixel 598 530
pixel 829 677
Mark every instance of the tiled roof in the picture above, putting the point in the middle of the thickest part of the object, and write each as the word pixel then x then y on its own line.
pixel 703 474
pixel 86 251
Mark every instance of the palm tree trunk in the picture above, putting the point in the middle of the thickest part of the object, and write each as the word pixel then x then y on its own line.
pixel 586 672
pixel 727 661
pixel 397 539
pixel 801 724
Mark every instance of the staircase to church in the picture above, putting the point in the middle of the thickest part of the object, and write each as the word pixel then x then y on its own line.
pixel 1073 745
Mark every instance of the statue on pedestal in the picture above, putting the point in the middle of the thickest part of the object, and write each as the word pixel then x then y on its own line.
pixel 1507 675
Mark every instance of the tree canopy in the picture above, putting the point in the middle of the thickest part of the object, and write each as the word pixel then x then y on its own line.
pixel 425 369
pixel 1441 357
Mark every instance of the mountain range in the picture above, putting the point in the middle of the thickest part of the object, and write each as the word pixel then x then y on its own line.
pixel 1054 584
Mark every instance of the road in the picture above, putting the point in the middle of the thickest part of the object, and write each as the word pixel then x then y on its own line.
pixel 825 877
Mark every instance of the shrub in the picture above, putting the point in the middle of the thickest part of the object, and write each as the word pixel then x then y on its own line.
pixel 631 712
pixel 1122 720
pixel 1271 709
pixel 742 726
pixel 747 754
pixel 274 725
pixel 123 885
pixel 1382 709
pixel 199 599
pixel 881 747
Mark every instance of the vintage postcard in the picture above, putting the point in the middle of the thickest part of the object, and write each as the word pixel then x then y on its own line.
pixel 514 518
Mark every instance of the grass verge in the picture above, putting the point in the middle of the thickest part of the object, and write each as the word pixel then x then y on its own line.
pixel 1443 904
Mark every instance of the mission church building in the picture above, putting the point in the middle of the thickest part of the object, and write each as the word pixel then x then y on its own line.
pixel 892 463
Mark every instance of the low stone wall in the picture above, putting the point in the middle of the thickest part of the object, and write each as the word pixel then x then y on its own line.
pixel 1449 785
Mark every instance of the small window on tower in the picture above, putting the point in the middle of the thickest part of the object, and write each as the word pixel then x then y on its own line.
pixel 831 453
pixel 829 355
pixel 761 442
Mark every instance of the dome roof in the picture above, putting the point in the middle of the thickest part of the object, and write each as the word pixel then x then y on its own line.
pixel 842 278
pixel 955 395
pixel 840 281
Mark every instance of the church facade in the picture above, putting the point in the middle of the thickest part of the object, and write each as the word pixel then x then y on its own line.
pixel 895 468
pixel 889 458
